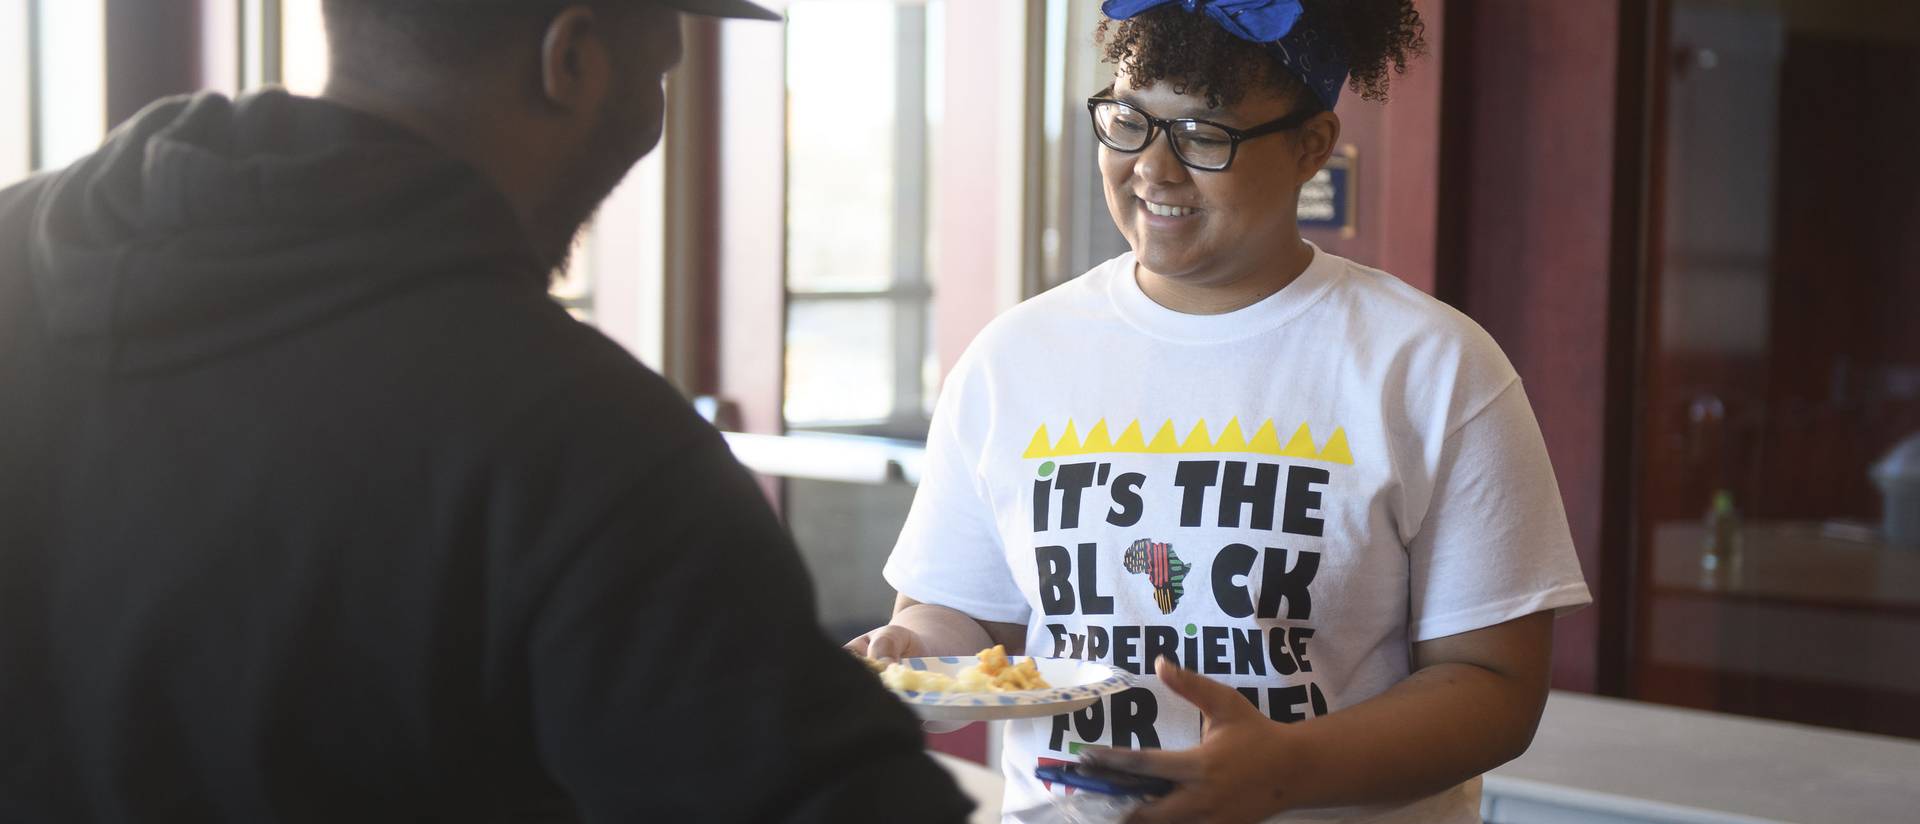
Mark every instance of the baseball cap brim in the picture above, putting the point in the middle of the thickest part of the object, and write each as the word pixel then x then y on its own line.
pixel 723 8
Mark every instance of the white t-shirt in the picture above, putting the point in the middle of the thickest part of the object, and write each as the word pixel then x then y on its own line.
pixel 1284 498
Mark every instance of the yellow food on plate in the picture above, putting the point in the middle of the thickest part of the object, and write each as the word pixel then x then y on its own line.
pixel 994 673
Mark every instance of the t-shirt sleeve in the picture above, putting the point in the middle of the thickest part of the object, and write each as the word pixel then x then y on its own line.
pixel 675 669
pixel 950 551
pixel 1494 544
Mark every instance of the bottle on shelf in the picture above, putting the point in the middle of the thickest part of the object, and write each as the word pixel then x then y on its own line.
pixel 1720 558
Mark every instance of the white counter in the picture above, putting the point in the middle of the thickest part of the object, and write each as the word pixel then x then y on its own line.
pixel 1606 760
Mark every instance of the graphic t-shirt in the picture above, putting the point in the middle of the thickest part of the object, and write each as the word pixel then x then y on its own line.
pixel 1283 498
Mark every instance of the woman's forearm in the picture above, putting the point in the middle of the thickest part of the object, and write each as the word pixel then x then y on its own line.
pixel 1442 725
pixel 948 631
pixel 943 631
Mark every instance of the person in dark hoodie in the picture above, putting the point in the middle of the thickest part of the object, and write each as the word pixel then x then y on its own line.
pixel 315 508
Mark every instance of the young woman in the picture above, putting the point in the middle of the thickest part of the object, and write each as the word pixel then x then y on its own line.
pixel 1307 503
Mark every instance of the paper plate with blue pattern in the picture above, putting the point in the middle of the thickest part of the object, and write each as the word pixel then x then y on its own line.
pixel 1076 684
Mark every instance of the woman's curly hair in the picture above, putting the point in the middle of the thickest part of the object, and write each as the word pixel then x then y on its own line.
pixel 1193 52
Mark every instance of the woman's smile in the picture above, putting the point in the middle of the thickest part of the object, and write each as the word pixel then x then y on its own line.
pixel 1167 210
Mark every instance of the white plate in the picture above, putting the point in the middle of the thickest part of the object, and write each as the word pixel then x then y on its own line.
pixel 1076 684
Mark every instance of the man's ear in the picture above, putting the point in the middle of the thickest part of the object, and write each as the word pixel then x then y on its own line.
pixel 575 65
pixel 1317 139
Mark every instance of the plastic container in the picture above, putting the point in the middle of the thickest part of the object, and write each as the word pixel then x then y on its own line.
pixel 1721 557
pixel 1898 476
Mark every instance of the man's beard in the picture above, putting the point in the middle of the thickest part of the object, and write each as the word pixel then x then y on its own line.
pixel 564 263
pixel 601 166
pixel 566 215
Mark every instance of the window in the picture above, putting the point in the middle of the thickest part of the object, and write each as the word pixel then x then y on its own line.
pixel 1073 231
pixel 859 350
pixel 69 86
pixel 303 47
pixel 16 95
pixel 1779 513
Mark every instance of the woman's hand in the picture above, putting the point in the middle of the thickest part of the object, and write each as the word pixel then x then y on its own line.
pixel 1233 777
pixel 1470 705
pixel 892 642
pixel 888 643
pixel 920 630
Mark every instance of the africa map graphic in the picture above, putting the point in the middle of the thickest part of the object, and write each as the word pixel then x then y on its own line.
pixel 1162 567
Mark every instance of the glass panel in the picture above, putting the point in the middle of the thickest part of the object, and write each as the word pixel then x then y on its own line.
pixel 839 361
pixel 840 148
pixel 259 43
pixel 303 47
pixel 857 206
pixel 1781 481
pixel 1074 231
pixel 72 80
pixel 16 98
pixel 929 373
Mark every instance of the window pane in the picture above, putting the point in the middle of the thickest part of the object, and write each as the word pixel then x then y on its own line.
pixel 16 146
pixel 839 361
pixel 1781 480
pixel 257 66
pixel 857 185
pixel 303 47
pixel 840 146
pixel 72 80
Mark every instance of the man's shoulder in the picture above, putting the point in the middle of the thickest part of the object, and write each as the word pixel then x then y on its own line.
pixel 498 359
pixel 16 218
pixel 17 200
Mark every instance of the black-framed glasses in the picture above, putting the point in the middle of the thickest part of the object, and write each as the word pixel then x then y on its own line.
pixel 1199 144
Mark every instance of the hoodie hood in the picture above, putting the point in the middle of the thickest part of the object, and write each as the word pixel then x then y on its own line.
pixel 205 225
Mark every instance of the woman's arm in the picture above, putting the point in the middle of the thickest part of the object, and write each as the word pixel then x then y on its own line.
pixel 919 629
pixel 1471 704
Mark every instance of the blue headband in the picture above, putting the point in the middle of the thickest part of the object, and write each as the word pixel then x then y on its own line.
pixel 1308 52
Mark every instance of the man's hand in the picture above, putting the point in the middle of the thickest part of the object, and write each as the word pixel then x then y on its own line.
pixel 1231 778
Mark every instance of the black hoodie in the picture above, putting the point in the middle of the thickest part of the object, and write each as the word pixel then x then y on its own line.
pixel 314 508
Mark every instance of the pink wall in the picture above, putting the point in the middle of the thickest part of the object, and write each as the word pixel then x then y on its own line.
pixel 967 183
pixel 1530 241
pixel 749 252
pixel 1398 177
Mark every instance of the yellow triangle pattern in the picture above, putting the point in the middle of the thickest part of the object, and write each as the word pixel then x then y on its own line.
pixel 1230 438
pixel 1197 440
pixel 1097 440
pixel 1069 443
pixel 1041 446
pixel 1301 446
pixel 1166 441
pixel 1336 450
pixel 1264 440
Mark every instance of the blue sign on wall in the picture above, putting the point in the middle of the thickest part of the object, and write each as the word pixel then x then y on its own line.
pixel 1327 201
